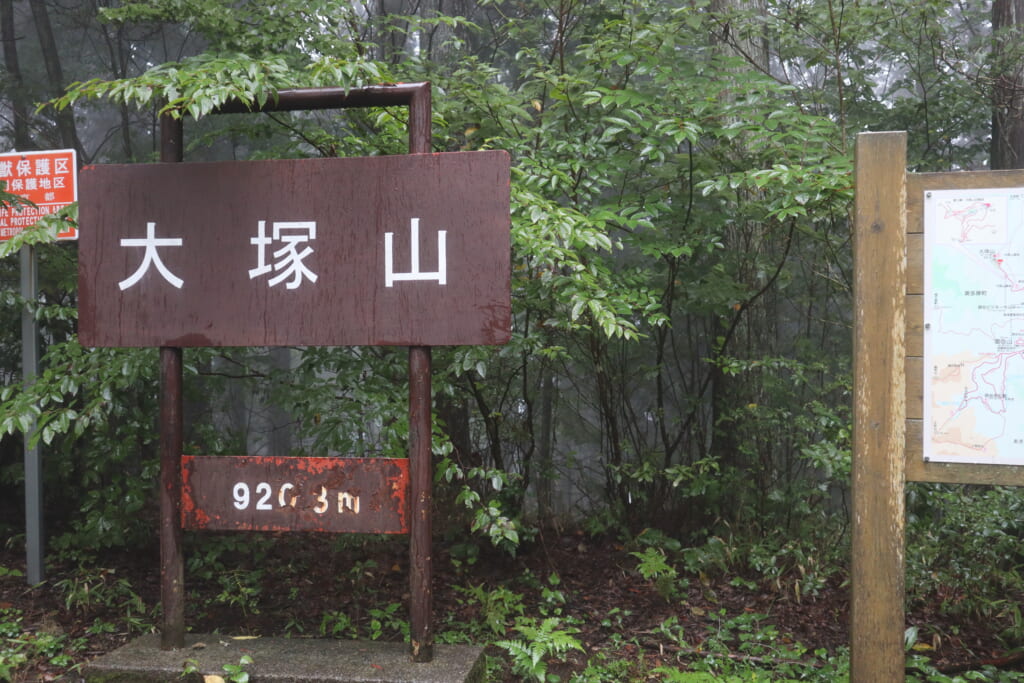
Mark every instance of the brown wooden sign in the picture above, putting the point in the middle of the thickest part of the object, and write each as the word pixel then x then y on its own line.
pixel 408 250
pixel 256 493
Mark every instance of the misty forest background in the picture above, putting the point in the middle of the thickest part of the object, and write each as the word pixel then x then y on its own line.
pixel 680 366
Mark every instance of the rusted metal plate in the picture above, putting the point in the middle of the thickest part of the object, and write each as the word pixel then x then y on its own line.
pixel 409 250
pixel 256 493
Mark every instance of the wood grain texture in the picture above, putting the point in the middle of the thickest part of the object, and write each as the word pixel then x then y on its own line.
pixel 879 419
pixel 229 232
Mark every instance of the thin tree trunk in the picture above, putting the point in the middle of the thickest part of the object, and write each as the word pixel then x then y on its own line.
pixel 65 118
pixel 1008 91
pixel 545 473
pixel 16 85
pixel 739 36
pixel 118 52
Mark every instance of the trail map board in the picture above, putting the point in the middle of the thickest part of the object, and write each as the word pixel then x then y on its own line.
pixel 974 326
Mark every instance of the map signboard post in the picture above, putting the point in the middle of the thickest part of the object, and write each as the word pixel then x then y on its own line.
pixel 938 363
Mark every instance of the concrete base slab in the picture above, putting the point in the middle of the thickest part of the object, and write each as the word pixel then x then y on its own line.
pixel 284 660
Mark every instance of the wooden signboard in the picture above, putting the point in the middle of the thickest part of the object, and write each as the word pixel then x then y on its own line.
pixel 396 250
pixel 938 364
pixel 410 250
pixel 975 284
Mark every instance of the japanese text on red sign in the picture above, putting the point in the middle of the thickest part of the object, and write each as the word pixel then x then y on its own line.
pixel 47 179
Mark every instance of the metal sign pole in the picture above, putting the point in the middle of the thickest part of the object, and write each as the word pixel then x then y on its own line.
pixel 34 542
pixel 420 429
pixel 48 180
pixel 172 559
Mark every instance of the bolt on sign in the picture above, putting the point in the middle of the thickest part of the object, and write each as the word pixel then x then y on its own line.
pixel 47 179
pixel 408 250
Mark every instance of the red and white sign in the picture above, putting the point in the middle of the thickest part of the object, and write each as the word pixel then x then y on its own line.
pixel 48 179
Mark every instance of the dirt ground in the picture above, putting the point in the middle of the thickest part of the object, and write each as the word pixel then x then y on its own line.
pixel 288 585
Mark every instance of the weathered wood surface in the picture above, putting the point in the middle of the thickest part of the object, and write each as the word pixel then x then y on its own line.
pixel 393 250
pixel 879 409
pixel 421 590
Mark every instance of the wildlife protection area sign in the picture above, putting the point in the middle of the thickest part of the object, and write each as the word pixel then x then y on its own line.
pixel 408 250
pixel 48 179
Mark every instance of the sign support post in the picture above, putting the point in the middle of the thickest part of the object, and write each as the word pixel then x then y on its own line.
pixel 172 559
pixel 421 631
pixel 172 564
pixel 879 410
pixel 34 531
pixel 895 379
pixel 47 180
pixel 418 99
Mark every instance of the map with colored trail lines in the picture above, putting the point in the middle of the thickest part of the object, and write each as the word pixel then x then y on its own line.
pixel 974 326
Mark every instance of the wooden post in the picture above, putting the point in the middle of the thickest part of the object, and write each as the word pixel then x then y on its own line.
pixel 172 559
pixel 418 98
pixel 421 636
pixel 879 411
pixel 420 528
pixel 172 567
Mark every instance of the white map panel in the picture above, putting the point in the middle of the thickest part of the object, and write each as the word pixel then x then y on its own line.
pixel 974 326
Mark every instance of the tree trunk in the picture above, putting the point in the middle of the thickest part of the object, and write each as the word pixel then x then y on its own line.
pixel 545 471
pixel 748 333
pixel 65 118
pixel 738 36
pixel 1008 89
pixel 15 85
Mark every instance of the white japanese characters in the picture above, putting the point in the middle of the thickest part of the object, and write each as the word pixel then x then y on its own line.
pixel 283 253
pixel 151 257
pixel 391 277
pixel 27 175
pixel 290 260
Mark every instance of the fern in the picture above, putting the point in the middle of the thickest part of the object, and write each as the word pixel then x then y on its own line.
pixel 540 642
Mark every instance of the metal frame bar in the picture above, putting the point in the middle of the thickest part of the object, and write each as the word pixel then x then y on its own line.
pixel 35 542
pixel 172 561
pixel 417 97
